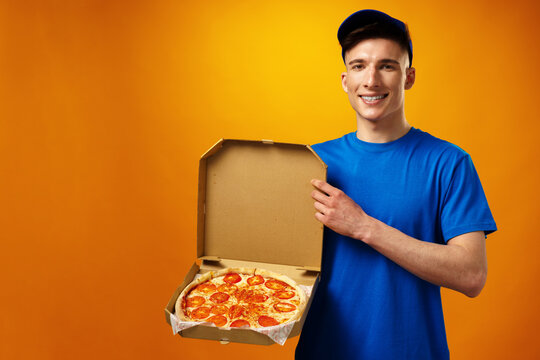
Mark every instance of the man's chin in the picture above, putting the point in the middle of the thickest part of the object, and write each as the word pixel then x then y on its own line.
pixel 371 119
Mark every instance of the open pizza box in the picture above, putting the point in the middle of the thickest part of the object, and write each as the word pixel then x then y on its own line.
pixel 255 211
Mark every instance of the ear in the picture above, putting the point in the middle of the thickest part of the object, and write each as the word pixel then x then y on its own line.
pixel 344 81
pixel 411 76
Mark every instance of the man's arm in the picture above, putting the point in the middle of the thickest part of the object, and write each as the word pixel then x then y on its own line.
pixel 460 265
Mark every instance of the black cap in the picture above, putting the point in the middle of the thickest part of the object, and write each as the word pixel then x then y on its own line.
pixel 367 17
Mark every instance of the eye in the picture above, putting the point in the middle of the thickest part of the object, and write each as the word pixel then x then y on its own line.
pixel 388 67
pixel 357 67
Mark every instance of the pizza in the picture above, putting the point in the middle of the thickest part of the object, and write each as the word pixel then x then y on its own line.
pixel 241 298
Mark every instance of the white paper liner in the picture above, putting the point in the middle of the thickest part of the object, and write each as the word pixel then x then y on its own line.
pixel 278 333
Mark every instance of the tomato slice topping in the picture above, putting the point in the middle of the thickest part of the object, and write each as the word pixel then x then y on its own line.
pixel 284 307
pixel 276 284
pixel 195 301
pixel 236 311
pixel 257 298
pixel 219 309
pixel 255 280
pixel 218 320
pixel 200 313
pixel 284 294
pixel 206 287
pixel 232 278
pixel 267 321
pixel 228 288
pixel 255 308
pixel 239 323
pixel 242 295
pixel 219 297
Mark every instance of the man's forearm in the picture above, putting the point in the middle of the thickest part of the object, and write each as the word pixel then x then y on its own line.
pixel 460 265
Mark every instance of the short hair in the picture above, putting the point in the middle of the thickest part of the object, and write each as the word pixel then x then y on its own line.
pixel 377 31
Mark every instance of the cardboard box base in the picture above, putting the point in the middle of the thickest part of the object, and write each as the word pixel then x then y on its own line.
pixel 301 276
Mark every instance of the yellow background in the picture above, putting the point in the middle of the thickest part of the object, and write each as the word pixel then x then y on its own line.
pixel 106 106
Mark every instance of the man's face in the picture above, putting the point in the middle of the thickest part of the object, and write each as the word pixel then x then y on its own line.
pixel 376 79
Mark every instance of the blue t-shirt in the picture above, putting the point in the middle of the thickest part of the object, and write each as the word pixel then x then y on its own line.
pixel 367 306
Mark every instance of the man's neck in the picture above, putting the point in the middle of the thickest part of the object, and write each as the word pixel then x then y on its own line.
pixel 381 131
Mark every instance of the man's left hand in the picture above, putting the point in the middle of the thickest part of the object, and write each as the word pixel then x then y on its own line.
pixel 338 211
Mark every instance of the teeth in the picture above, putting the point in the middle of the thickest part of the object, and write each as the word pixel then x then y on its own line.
pixel 372 98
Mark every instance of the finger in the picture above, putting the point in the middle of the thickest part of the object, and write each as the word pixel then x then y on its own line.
pixel 320 207
pixel 320 197
pixel 324 186
pixel 320 217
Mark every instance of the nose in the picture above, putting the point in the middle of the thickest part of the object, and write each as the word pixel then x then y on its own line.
pixel 371 78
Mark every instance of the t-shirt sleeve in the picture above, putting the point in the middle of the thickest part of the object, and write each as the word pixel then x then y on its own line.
pixel 464 207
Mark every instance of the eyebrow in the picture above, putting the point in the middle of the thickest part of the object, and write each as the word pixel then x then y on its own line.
pixel 384 61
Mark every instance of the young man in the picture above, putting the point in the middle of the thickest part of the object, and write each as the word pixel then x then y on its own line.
pixel 404 212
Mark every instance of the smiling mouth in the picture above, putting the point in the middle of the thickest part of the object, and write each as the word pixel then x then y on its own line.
pixel 367 98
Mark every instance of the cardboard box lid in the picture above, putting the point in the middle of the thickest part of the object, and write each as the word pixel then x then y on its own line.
pixel 255 203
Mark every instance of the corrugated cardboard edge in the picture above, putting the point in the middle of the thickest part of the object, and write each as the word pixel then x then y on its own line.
pixel 201 196
pixel 318 157
pixel 169 309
